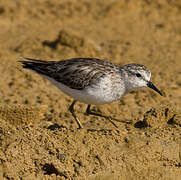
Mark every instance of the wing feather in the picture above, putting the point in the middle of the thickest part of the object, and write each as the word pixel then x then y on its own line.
pixel 77 73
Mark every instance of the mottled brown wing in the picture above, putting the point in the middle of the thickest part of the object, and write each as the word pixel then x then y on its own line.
pixel 75 73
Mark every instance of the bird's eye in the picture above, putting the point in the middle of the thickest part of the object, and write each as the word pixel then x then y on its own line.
pixel 138 75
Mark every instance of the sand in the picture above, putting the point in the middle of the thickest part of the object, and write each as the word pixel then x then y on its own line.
pixel 39 138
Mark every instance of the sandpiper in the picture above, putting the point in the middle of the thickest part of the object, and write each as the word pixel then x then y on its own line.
pixel 91 80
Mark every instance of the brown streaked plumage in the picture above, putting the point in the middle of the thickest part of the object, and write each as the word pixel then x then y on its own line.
pixel 76 73
pixel 91 80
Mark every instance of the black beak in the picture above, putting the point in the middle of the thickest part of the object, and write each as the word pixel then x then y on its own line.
pixel 151 85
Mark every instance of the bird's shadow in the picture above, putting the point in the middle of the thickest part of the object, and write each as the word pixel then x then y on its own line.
pixel 140 124
pixel 56 126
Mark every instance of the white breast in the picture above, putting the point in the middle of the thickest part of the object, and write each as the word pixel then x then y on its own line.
pixel 101 93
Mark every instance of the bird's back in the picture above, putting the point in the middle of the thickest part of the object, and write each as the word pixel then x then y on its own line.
pixel 76 73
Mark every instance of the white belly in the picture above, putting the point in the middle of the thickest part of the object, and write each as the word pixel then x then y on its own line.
pixel 101 93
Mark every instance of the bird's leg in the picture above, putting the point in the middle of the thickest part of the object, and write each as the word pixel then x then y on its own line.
pixel 71 109
pixel 89 112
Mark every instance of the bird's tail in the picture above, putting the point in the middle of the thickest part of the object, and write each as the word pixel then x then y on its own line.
pixel 38 66
pixel 28 63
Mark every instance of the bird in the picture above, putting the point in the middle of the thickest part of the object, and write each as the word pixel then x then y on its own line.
pixel 91 81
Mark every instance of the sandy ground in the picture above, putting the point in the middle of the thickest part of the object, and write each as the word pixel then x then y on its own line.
pixel 38 136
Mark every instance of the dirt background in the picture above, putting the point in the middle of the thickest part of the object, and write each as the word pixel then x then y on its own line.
pixel 38 136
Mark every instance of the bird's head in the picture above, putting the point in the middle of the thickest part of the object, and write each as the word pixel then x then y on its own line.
pixel 138 76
